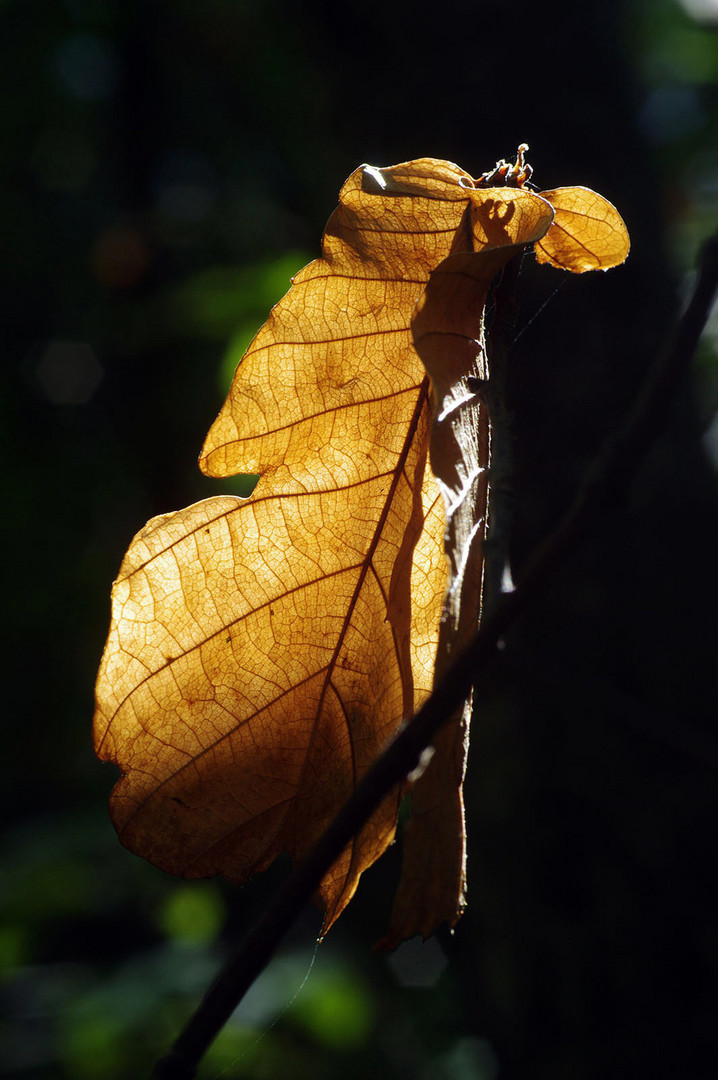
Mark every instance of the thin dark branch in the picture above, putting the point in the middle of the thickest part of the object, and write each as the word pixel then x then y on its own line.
pixel 620 458
pixel 497 547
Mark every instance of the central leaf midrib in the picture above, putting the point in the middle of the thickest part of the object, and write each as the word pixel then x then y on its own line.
pixel 366 565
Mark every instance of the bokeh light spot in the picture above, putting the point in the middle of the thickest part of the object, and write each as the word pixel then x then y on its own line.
pixel 86 66
pixel 701 10
pixel 670 113
pixel 193 914
pixel 120 257
pixel 417 962
pixel 69 372
pixel 336 1011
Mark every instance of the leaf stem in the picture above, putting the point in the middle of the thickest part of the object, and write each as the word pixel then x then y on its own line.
pixel 618 460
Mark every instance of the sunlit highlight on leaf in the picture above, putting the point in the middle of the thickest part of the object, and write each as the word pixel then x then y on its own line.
pixel 264 650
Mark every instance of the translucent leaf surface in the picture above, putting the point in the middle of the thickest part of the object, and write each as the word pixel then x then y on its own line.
pixel 263 651
pixel 587 233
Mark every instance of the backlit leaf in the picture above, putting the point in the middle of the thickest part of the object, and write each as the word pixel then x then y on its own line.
pixel 587 233
pixel 263 651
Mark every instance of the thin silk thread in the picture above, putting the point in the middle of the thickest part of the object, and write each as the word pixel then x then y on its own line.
pixel 536 314
pixel 260 1038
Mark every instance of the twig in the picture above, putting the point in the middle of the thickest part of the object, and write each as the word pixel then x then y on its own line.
pixel 619 458
pixel 497 546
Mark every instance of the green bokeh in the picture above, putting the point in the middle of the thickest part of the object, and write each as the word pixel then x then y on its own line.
pixel 336 1012
pixel 192 914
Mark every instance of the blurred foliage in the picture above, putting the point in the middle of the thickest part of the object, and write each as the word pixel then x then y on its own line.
pixel 678 71
pixel 167 166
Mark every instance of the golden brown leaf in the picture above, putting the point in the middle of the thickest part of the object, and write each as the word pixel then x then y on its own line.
pixel 263 651
pixel 587 233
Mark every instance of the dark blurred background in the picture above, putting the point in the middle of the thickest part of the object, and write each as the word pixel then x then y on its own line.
pixel 167 165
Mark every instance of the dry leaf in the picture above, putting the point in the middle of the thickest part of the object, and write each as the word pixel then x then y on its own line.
pixel 263 651
pixel 587 233
pixel 448 330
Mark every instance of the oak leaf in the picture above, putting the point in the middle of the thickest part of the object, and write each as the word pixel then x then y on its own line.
pixel 263 651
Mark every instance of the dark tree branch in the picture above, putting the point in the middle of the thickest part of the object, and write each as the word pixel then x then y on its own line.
pixel 497 546
pixel 617 462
